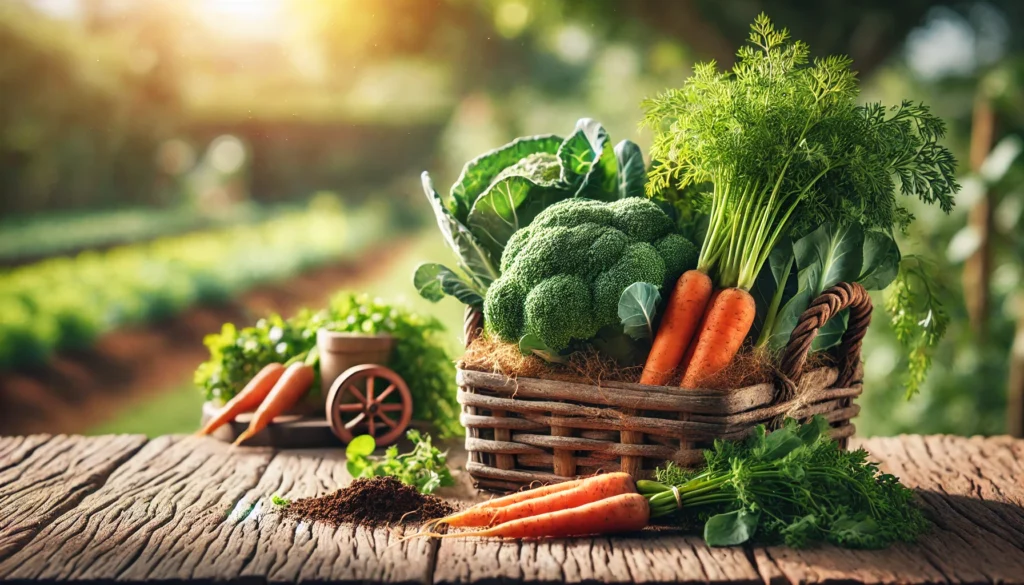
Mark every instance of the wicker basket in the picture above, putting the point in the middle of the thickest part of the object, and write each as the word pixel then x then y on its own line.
pixel 525 430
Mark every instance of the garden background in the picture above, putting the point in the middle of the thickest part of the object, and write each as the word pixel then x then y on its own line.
pixel 169 165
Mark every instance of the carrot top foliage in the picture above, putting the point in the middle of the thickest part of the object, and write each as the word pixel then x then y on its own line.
pixel 785 148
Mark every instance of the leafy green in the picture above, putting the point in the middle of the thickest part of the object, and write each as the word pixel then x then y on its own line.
pixel 786 148
pixel 638 306
pixel 479 173
pixel 419 356
pixel 500 193
pixel 517 195
pixel 280 502
pixel 794 485
pixel 425 467
pixel 881 261
pixel 918 317
pixel 731 528
pixel 473 258
pixel 589 166
pixel 631 170
pixel 433 281
pixel 823 258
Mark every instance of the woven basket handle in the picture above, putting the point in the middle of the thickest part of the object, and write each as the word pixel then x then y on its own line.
pixel 841 296
pixel 472 324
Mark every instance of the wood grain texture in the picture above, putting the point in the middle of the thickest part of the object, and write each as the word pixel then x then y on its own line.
pixel 649 558
pixel 187 510
pixel 42 477
pixel 971 489
pixel 159 506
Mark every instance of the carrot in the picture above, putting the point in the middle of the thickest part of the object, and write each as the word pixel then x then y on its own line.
pixel 248 399
pixel 590 490
pixel 529 494
pixel 728 321
pixel 688 356
pixel 678 326
pixel 621 513
pixel 295 381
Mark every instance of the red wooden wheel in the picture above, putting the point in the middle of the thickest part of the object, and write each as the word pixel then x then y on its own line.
pixel 369 399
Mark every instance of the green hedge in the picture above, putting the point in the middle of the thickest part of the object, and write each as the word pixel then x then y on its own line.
pixel 65 303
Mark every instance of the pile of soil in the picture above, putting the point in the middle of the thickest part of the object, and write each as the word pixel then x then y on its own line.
pixel 375 500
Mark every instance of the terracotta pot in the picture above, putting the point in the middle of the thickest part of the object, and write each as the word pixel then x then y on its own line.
pixel 340 351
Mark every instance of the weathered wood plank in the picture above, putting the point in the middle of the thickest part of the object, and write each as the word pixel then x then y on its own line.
pixel 652 557
pixel 41 477
pixel 267 546
pixel 158 504
pixel 970 488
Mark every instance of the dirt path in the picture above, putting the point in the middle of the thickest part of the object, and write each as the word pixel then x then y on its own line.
pixel 75 391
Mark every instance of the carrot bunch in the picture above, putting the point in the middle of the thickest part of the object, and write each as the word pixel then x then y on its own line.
pixel 271 392
pixel 701 332
pixel 602 504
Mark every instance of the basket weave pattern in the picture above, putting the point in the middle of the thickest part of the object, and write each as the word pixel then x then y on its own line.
pixel 524 430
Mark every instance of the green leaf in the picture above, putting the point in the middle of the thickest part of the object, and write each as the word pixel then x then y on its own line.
pixel 434 281
pixel 632 173
pixel 588 163
pixel 831 333
pixel 780 442
pixel 825 257
pixel 774 286
pixel 881 261
pixel 511 203
pixel 473 257
pixel 479 173
pixel 531 344
pixel 361 446
pixel 638 306
pixel 731 528
pixel 280 502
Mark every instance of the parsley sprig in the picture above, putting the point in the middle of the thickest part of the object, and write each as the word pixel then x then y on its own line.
pixel 794 485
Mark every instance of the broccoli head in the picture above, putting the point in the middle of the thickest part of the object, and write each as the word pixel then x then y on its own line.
pixel 562 276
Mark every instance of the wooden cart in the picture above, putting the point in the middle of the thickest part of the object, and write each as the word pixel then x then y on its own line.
pixel 358 395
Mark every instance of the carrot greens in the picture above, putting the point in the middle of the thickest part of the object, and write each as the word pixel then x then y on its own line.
pixel 793 485
pixel 785 148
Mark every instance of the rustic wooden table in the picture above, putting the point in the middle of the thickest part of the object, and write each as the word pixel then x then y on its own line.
pixel 181 509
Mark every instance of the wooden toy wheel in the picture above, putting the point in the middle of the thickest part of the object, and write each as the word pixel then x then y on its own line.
pixel 369 399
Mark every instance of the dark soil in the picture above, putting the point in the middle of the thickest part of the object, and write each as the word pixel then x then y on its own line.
pixel 373 501
pixel 75 391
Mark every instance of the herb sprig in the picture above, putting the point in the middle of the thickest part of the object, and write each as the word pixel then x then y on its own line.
pixel 425 467
pixel 794 485
pixel 917 315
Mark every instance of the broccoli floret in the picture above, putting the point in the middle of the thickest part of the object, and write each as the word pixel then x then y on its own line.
pixel 562 276
pixel 639 263
pixel 503 310
pixel 679 253
pixel 575 212
pixel 640 219
pixel 559 310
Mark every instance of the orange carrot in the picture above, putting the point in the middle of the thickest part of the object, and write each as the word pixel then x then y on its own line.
pixel 529 494
pixel 295 382
pixel 728 321
pixel 248 399
pixel 621 513
pixel 688 356
pixel 590 490
pixel 678 326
